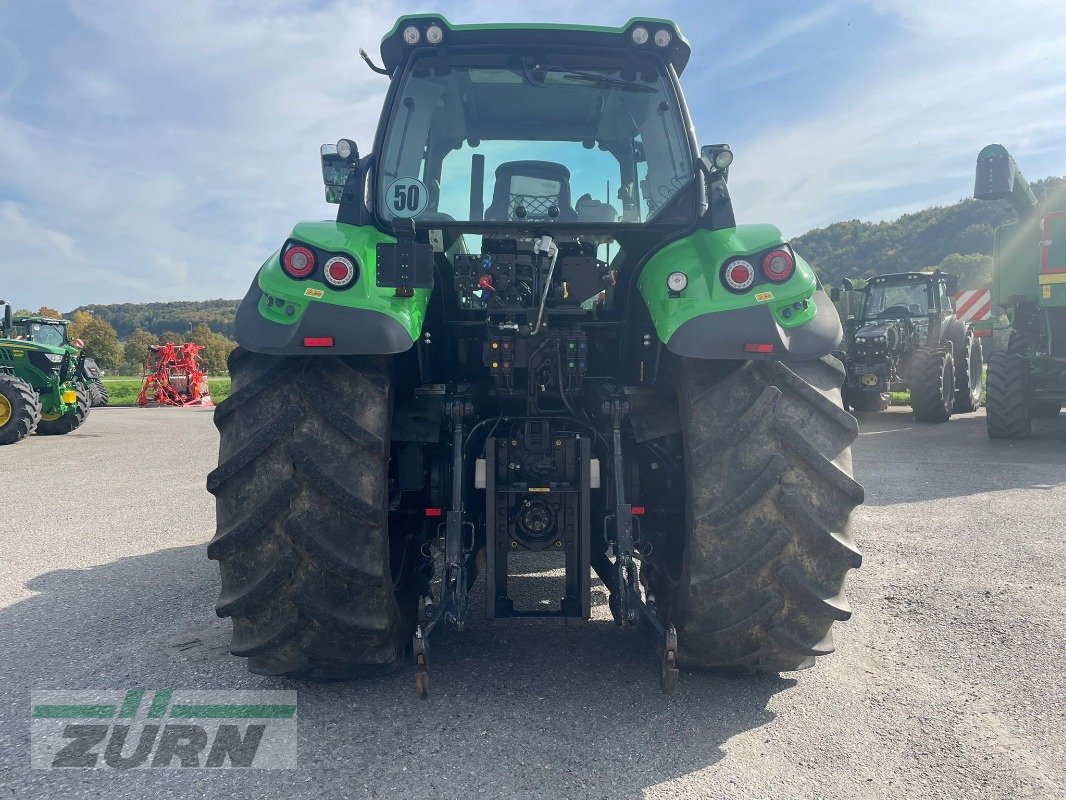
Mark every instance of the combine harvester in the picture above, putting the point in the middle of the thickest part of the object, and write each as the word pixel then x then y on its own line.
pixel 1029 281
pixel 174 376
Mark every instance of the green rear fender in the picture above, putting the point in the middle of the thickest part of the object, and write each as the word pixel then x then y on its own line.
pixel 282 315
pixel 793 319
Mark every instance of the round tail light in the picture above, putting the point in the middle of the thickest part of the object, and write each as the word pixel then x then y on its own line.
pixel 339 272
pixel 298 261
pixel 738 275
pixel 778 265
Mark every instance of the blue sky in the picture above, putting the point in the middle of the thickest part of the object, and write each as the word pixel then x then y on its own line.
pixel 160 150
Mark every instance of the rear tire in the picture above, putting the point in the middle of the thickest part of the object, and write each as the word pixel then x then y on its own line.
pixel 99 393
pixel 1007 402
pixel 301 494
pixel 769 500
pixel 970 378
pixel 932 385
pixel 20 409
pixel 71 421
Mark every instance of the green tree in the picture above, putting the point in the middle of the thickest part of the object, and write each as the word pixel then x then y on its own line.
pixel 101 341
pixel 216 348
pixel 51 313
pixel 170 337
pixel 136 350
pixel 974 270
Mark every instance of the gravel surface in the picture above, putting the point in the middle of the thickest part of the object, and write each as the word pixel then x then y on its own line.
pixel 945 684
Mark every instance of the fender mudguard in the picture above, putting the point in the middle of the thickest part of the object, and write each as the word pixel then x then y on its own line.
pixel 284 316
pixel 789 320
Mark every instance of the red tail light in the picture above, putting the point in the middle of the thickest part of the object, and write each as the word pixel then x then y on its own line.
pixel 738 275
pixel 318 341
pixel 434 512
pixel 758 347
pixel 778 265
pixel 339 272
pixel 298 261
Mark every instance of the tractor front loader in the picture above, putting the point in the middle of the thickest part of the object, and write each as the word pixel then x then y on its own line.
pixel 534 330
pixel 1027 381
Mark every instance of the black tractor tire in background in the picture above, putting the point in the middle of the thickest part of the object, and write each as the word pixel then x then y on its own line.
pixel 865 402
pixel 99 393
pixel 932 385
pixel 301 493
pixel 969 377
pixel 71 421
pixel 21 406
pixel 769 496
pixel 1007 398
pixel 1044 409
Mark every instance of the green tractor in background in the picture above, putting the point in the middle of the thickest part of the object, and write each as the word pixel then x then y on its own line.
pixel 54 332
pixel 42 388
pixel 1029 281
pixel 535 330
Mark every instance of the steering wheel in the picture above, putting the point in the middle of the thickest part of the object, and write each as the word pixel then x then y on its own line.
pixel 896 311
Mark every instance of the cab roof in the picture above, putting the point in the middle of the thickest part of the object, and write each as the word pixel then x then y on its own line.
pixel 394 49
pixel 42 320
pixel 906 277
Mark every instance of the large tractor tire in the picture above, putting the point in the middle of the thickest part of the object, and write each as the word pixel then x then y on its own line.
pixel 970 378
pixel 301 493
pixel 1007 401
pixel 769 500
pixel 865 402
pixel 65 423
pixel 932 385
pixel 20 409
pixel 100 397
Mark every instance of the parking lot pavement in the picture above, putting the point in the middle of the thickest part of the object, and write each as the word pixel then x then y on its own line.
pixel 945 684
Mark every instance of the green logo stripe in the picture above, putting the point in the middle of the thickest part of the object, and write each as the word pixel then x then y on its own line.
pixel 73 711
pixel 232 711
pixel 160 701
pixel 131 704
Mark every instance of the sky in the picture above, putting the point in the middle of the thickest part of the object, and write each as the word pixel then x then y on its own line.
pixel 162 150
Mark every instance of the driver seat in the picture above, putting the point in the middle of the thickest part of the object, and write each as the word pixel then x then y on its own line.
pixel 528 190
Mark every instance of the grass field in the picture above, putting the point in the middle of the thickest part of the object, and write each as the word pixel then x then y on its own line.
pixel 124 389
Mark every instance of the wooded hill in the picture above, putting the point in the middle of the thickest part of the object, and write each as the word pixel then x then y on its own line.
pixel 956 238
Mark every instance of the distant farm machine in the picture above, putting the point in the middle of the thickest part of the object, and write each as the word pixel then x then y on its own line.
pixel 174 376
pixel 1027 381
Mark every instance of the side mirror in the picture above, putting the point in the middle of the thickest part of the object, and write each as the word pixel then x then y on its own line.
pixel 7 317
pixel 834 294
pixel 951 283
pixel 339 161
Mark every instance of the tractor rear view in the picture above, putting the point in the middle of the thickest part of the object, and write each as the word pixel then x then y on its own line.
pixel 1027 381
pixel 535 330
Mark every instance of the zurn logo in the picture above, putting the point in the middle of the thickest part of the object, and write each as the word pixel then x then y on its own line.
pixel 134 729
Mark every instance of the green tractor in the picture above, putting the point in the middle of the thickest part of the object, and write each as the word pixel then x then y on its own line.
pixel 534 331
pixel 54 332
pixel 41 388
pixel 1029 281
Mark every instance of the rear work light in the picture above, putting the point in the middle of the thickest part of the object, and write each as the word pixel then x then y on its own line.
pixel 339 272
pixel 738 275
pixel 298 261
pixel 318 341
pixel 778 265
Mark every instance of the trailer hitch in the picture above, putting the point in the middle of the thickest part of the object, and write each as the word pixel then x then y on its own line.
pixel 632 608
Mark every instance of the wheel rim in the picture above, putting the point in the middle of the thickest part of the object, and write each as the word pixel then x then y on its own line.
pixel 5 411
pixel 50 417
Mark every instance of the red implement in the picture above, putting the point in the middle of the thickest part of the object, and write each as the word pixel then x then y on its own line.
pixel 174 376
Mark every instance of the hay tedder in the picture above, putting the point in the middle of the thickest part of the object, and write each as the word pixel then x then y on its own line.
pixel 174 376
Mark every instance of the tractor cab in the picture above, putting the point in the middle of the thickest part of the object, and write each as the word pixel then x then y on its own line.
pixel 42 330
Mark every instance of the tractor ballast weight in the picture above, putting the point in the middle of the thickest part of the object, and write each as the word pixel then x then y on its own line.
pixel 173 375
pixel 1029 285
pixel 534 328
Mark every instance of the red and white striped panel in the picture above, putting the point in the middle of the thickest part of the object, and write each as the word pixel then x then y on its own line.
pixel 973 305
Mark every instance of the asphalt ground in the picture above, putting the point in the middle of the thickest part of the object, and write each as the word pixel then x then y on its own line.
pixel 946 682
